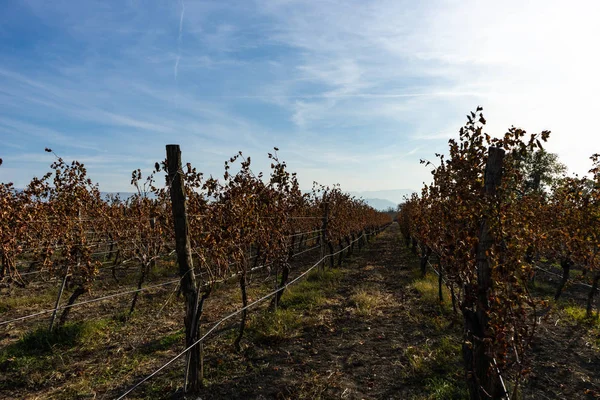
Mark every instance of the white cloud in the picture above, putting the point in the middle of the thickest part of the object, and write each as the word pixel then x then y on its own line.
pixel 529 63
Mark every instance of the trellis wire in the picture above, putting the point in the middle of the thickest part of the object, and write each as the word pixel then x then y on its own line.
pixel 43 312
pixel 233 314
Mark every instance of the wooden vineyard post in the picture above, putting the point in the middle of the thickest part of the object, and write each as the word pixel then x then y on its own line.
pixel 62 287
pixel 591 293
pixel 57 304
pixel 324 232
pixel 189 288
pixel 483 380
pixel 425 254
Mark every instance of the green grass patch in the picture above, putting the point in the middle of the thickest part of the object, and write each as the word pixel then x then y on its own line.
pixel 572 314
pixel 576 314
pixel 42 341
pixel 118 368
pixel 27 362
pixel 286 322
pixel 575 273
pixel 445 389
pixel 310 292
pixel 323 278
pixel 436 366
pixel 165 342
pixel 275 326
pixel 428 289
pixel 27 299
pixel 438 363
pixel 435 356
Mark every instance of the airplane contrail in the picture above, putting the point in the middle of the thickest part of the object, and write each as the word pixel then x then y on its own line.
pixel 176 67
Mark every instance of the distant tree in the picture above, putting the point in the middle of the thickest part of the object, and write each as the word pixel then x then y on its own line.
pixel 541 170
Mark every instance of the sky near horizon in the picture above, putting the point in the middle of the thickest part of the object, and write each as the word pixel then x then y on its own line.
pixel 352 92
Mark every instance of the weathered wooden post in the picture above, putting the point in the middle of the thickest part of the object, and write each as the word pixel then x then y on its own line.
pixel 590 299
pixel 425 254
pixel 324 229
pixel 57 303
pixel 62 288
pixel 482 378
pixel 189 288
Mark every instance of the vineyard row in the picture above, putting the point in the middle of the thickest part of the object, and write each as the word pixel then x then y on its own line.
pixel 60 228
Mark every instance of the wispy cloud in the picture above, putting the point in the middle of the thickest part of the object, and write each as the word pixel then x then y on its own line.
pixel 413 151
pixel 434 136
pixel 181 20
pixel 176 68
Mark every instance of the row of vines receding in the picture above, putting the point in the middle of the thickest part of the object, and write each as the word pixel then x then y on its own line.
pixel 488 222
pixel 60 229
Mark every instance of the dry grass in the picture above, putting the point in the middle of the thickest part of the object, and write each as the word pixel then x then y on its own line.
pixel 368 300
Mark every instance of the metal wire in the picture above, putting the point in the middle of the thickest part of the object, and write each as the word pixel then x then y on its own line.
pixel 110 296
pixel 218 323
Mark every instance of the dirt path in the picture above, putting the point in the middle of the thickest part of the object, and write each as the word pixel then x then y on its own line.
pixel 367 342
pixel 377 337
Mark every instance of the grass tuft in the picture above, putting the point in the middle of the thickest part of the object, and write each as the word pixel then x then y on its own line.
pixel 287 320
pixel 444 389
pixel 310 292
pixel 39 353
pixel 367 300
pixel 428 289
pixel 42 341
pixel 576 314
pixel 437 362
pixel 26 301
pixel 276 326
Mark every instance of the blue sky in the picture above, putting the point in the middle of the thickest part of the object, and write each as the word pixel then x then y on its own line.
pixel 352 92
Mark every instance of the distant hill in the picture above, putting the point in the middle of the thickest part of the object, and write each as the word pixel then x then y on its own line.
pixel 395 196
pixel 381 204
pixel 379 200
